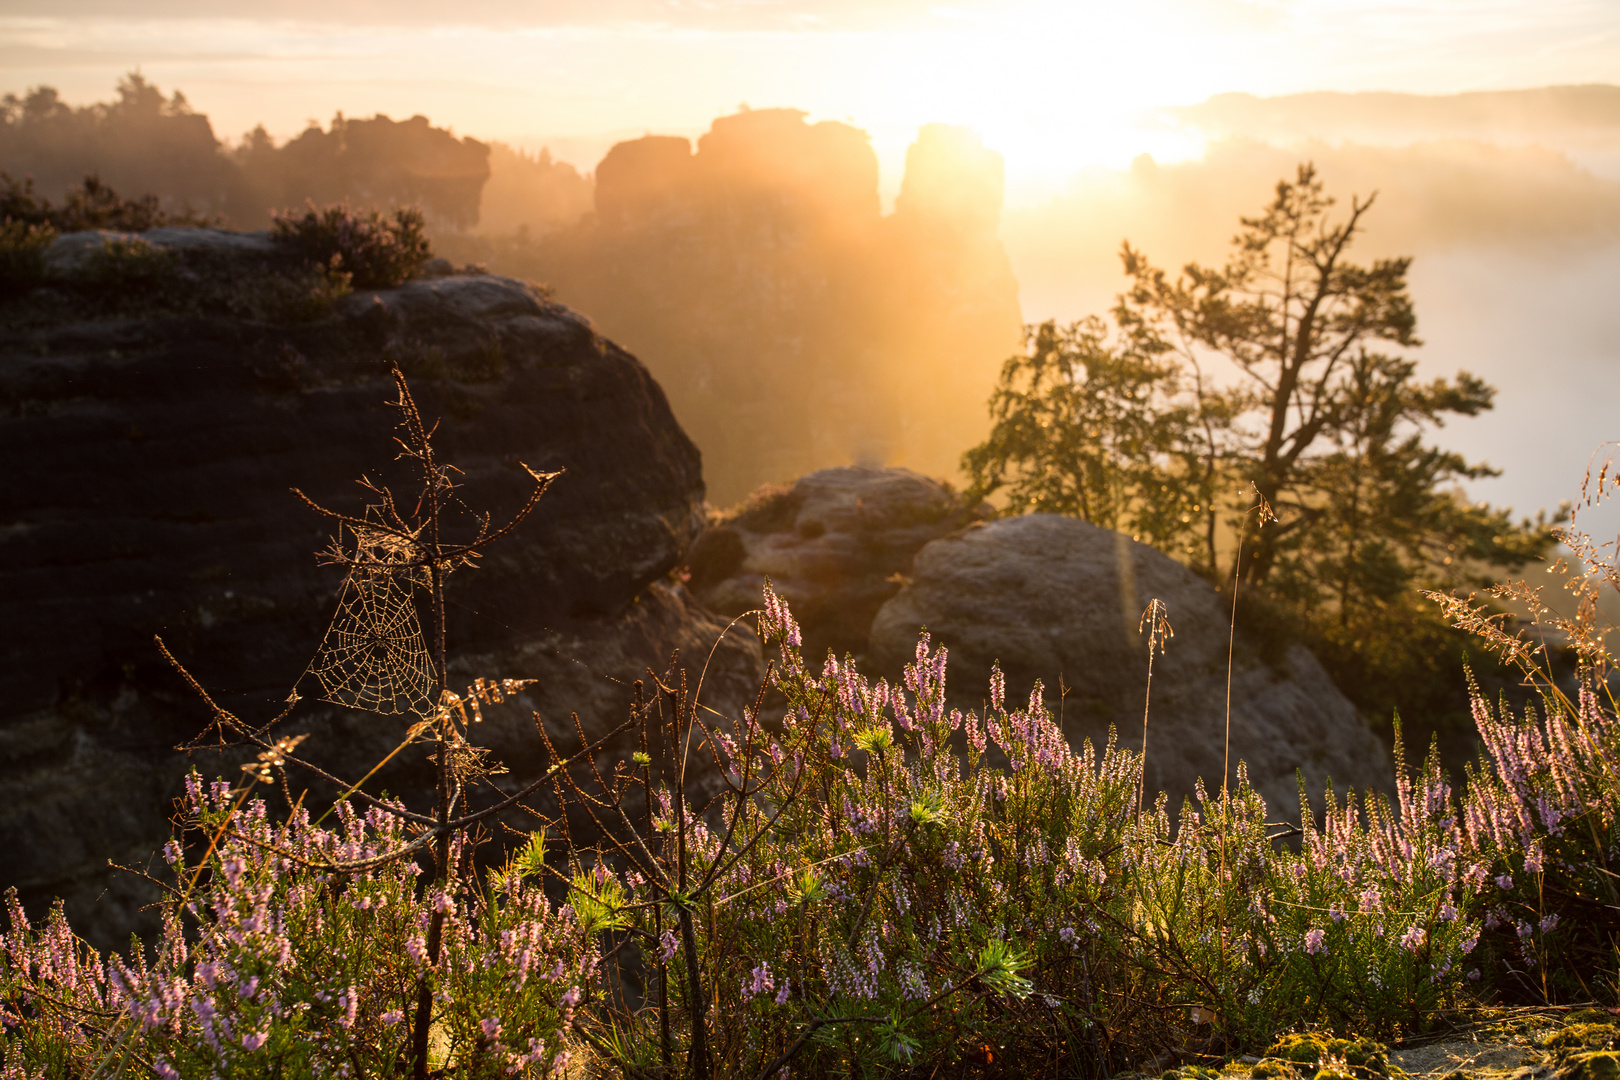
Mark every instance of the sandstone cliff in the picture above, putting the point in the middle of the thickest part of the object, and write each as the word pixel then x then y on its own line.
pixel 150 448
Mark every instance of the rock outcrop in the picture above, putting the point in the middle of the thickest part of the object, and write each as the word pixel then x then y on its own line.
pixel 1056 599
pixel 149 460
pixel 835 544
pixel 868 557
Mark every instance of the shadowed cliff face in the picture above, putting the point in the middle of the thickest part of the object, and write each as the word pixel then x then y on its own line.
pixel 149 461
pixel 793 324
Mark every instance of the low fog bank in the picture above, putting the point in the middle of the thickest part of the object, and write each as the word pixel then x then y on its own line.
pixel 1582 121
pixel 1516 259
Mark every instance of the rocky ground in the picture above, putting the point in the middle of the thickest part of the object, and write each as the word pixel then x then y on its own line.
pixel 1532 1044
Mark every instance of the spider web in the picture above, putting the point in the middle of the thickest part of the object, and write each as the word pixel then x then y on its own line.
pixel 374 656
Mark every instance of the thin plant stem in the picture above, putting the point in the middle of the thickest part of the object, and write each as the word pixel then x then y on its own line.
pixel 1156 621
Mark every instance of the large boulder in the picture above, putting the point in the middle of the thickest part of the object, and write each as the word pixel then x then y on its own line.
pixel 1059 600
pixel 835 544
pixel 150 447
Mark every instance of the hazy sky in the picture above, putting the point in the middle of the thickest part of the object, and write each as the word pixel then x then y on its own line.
pixel 1053 85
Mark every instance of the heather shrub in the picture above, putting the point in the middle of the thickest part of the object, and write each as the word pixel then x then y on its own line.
pixel 128 266
pixel 30 222
pixel 870 894
pixel 22 253
pixel 1541 810
pixel 881 886
pixel 884 894
pixel 90 205
pixel 373 249
pixel 275 965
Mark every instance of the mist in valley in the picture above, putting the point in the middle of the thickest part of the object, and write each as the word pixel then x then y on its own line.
pixel 1508 202
pixel 1514 250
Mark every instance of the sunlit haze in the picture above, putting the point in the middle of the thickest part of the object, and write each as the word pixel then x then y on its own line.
pixel 1053 86
pixel 1070 94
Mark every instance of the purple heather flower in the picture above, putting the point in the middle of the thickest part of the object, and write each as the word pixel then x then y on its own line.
pixel 1313 941
pixel 760 982
pixel 392 1017
pixel 1414 938
pixel 1549 923
pixel 1504 881
pixel 491 1027
pixel 255 1040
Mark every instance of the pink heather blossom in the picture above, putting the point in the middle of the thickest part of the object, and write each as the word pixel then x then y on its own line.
pixel 760 981
pixel 1414 938
pixel 1314 941
pixel 667 944
pixel 255 1040
pixel 392 1017
pixel 782 994
pixel 491 1027
pixel 1504 882
pixel 1549 923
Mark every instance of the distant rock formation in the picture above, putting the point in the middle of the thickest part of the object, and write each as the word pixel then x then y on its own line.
pixel 868 557
pixel 792 323
pixel 146 144
pixel 531 192
pixel 149 459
